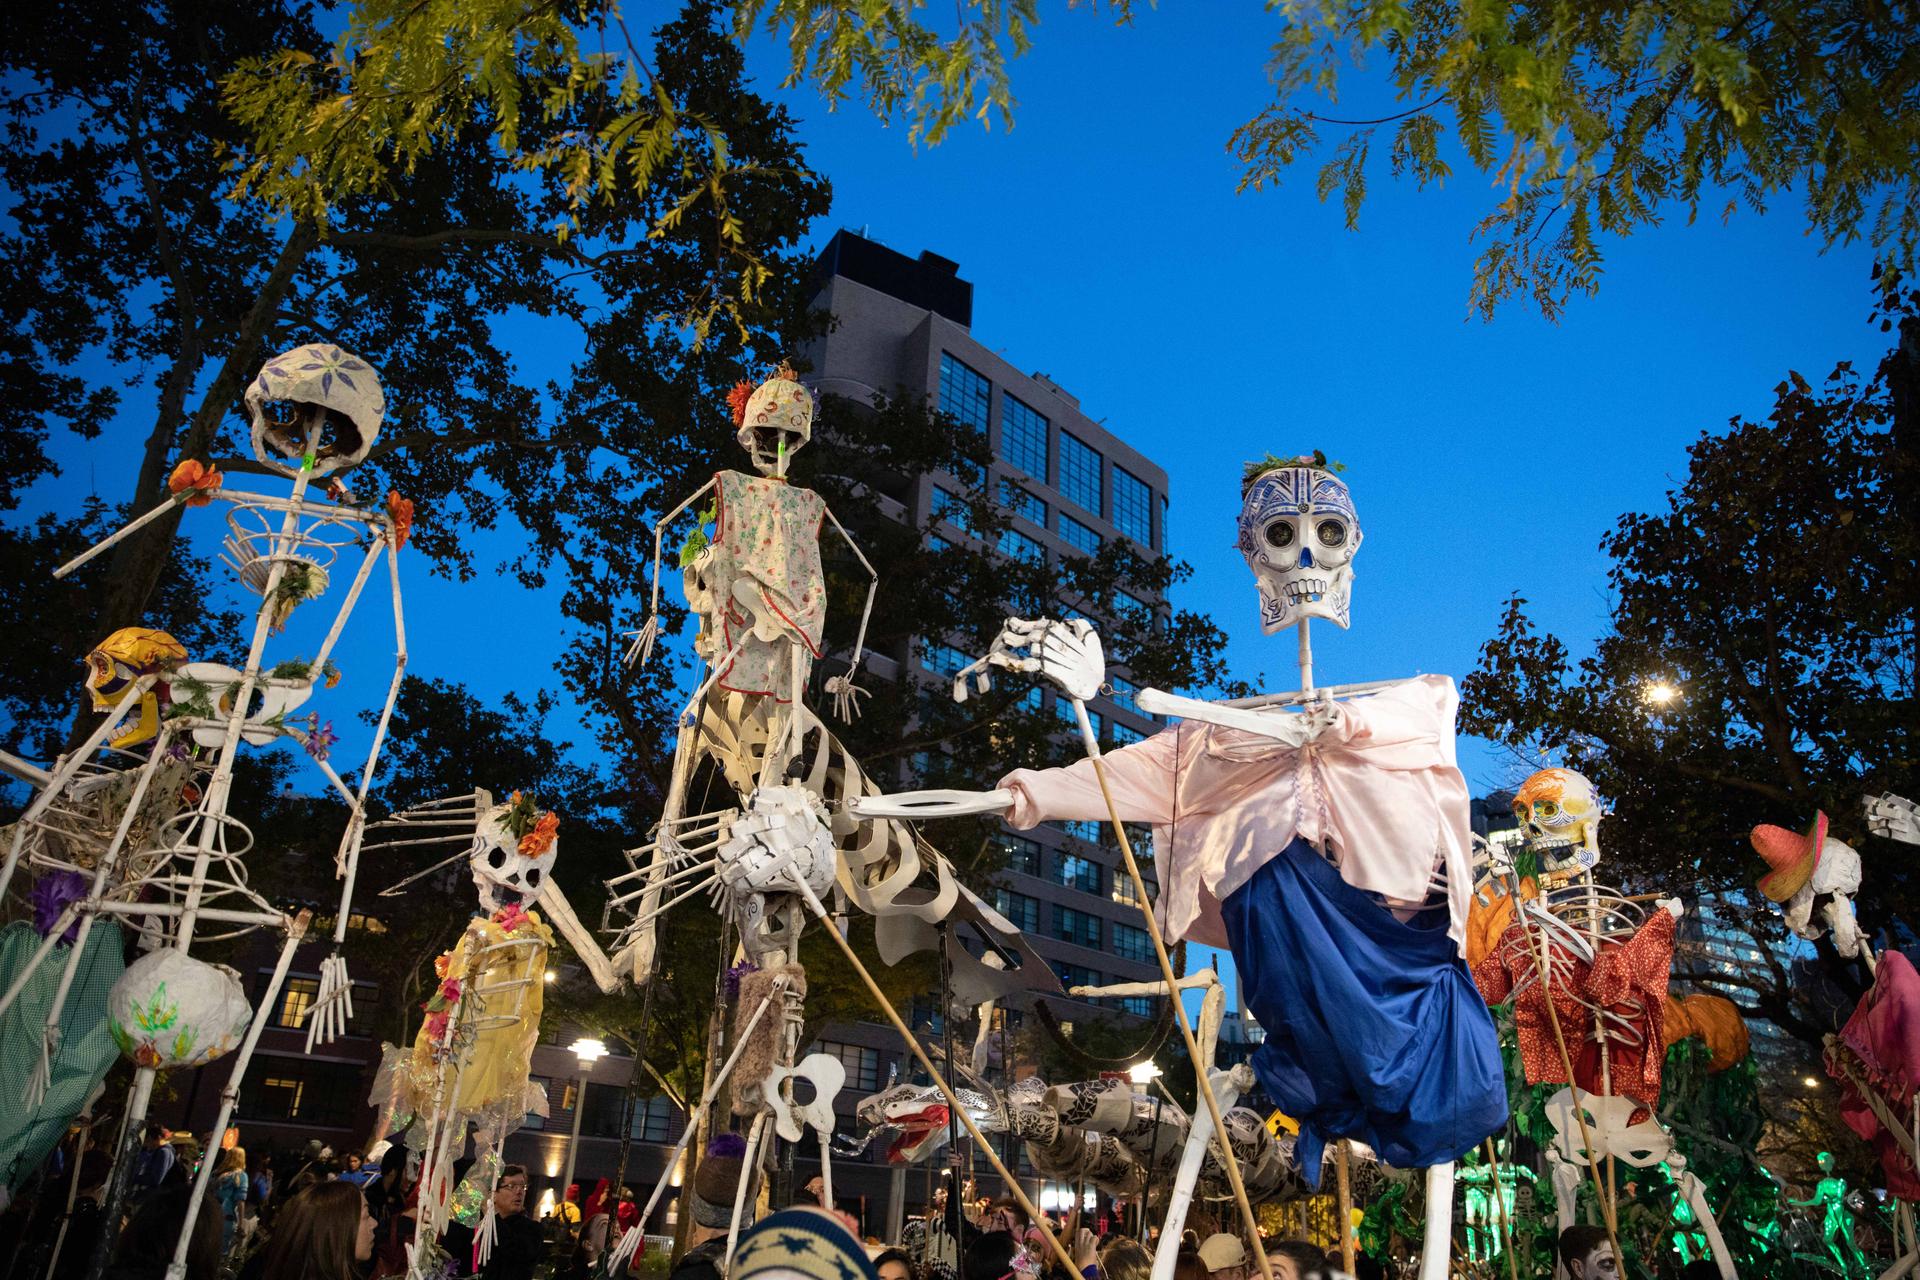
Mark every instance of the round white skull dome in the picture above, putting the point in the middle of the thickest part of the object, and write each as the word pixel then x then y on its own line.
pixel 779 412
pixel 1299 533
pixel 170 1010
pixel 319 375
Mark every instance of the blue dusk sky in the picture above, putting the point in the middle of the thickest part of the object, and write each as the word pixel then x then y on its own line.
pixel 1108 248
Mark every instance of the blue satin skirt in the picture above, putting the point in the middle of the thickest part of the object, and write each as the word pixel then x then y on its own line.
pixel 1375 1030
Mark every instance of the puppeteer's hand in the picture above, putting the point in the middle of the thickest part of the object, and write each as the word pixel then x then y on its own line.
pixel 1067 653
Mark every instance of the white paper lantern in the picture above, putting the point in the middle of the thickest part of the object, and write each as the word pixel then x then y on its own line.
pixel 170 1010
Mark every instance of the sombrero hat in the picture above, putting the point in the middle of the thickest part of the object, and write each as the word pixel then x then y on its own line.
pixel 1793 855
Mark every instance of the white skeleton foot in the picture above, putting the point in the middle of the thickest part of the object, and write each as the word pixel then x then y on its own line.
pixel 846 693
pixel 333 1005
pixel 42 1078
pixel 640 651
pixel 1067 653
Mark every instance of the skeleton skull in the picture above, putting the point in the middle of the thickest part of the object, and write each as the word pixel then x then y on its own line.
pixel 117 662
pixel 322 377
pixel 1560 815
pixel 1299 533
pixel 512 855
pixel 776 423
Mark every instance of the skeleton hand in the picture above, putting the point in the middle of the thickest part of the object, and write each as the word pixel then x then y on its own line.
pixel 332 1005
pixel 640 652
pixel 1067 653
pixel 1893 817
pixel 845 692
pixel 1672 906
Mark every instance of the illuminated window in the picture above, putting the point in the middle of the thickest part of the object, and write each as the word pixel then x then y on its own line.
pixel 366 923
pixel 1080 473
pixel 1074 975
pixel 1022 854
pixel 1023 438
pixel 964 393
pixel 653 1119
pixel 1132 506
pixel 1079 536
pixel 317 1094
pixel 296 1003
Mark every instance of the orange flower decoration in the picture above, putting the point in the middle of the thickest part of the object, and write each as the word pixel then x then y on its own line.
pixel 541 838
pixel 400 511
pixel 195 479
pixel 737 401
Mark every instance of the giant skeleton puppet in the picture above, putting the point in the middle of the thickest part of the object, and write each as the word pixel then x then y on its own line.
pixel 1321 836
pixel 786 845
pixel 141 833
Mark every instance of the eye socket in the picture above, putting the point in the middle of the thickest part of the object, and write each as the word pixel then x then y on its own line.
pixel 1333 533
pixel 533 877
pixel 1280 534
pixel 1549 809
pixel 498 858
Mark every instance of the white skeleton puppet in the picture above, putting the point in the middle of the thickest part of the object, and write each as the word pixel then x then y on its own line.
pixel 1343 813
pixel 315 413
pixel 470 1062
pixel 1814 879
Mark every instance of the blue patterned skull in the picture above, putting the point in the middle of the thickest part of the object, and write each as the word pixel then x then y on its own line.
pixel 1299 533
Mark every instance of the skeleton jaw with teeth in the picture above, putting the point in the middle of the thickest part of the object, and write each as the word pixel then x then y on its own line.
pixel 513 854
pixel 1560 815
pixel 1299 533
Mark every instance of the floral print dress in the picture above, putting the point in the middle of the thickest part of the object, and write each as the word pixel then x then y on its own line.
pixel 766 579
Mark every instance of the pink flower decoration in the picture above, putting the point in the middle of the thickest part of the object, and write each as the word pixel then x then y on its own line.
pixel 450 990
pixel 510 917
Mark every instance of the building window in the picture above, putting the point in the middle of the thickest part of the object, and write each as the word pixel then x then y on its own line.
pixel 1078 536
pixel 1081 829
pixel 1083 874
pixel 653 1119
pixel 1122 734
pixel 1126 694
pixel 949 507
pixel 1063 709
pixel 963 393
pixel 1023 855
pixel 1138 1006
pixel 1018 546
pixel 533 1119
pixel 1133 609
pixel 1132 506
pixel 1080 473
pixel 1024 504
pixel 606 1104
pixel 1129 941
pixel 1075 975
pixel 1123 884
pixel 1022 911
pixel 942 659
pixel 1023 437
pixel 1077 927
pixel 862 1063
pixel 314 1093
pixel 296 1003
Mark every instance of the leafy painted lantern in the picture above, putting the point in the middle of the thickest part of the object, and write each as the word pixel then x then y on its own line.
pixel 170 1010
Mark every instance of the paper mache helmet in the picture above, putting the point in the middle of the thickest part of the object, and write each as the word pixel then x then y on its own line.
pixel 1299 533
pixel 171 1010
pixel 319 375
pixel 779 412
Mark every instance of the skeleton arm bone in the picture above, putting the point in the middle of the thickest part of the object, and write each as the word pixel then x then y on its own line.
pixel 568 925
pixel 873 587
pixel 642 647
pixel 1295 729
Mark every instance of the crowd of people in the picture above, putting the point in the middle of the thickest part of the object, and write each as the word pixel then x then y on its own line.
pixel 313 1215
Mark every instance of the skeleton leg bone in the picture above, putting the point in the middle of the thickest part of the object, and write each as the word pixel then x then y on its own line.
pixel 1227 1087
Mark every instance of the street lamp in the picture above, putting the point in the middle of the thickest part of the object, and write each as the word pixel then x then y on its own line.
pixel 1143 1073
pixel 587 1052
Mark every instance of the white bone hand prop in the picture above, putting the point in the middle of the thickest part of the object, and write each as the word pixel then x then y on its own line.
pixel 936 803
pixel 1607 1129
pixel 1894 818
pixel 1067 653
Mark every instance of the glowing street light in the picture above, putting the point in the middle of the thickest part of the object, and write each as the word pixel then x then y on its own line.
pixel 586 1052
pixel 1143 1073
pixel 1809 1082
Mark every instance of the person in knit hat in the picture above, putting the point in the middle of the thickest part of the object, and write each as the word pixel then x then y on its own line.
pixel 715 1185
pixel 802 1243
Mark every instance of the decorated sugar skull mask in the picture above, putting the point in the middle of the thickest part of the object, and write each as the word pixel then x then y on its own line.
pixel 513 853
pixel 117 662
pixel 1299 533
pixel 319 376
pixel 1560 815
pixel 775 420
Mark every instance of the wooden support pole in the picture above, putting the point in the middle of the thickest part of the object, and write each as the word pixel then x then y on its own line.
pixel 1343 1160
